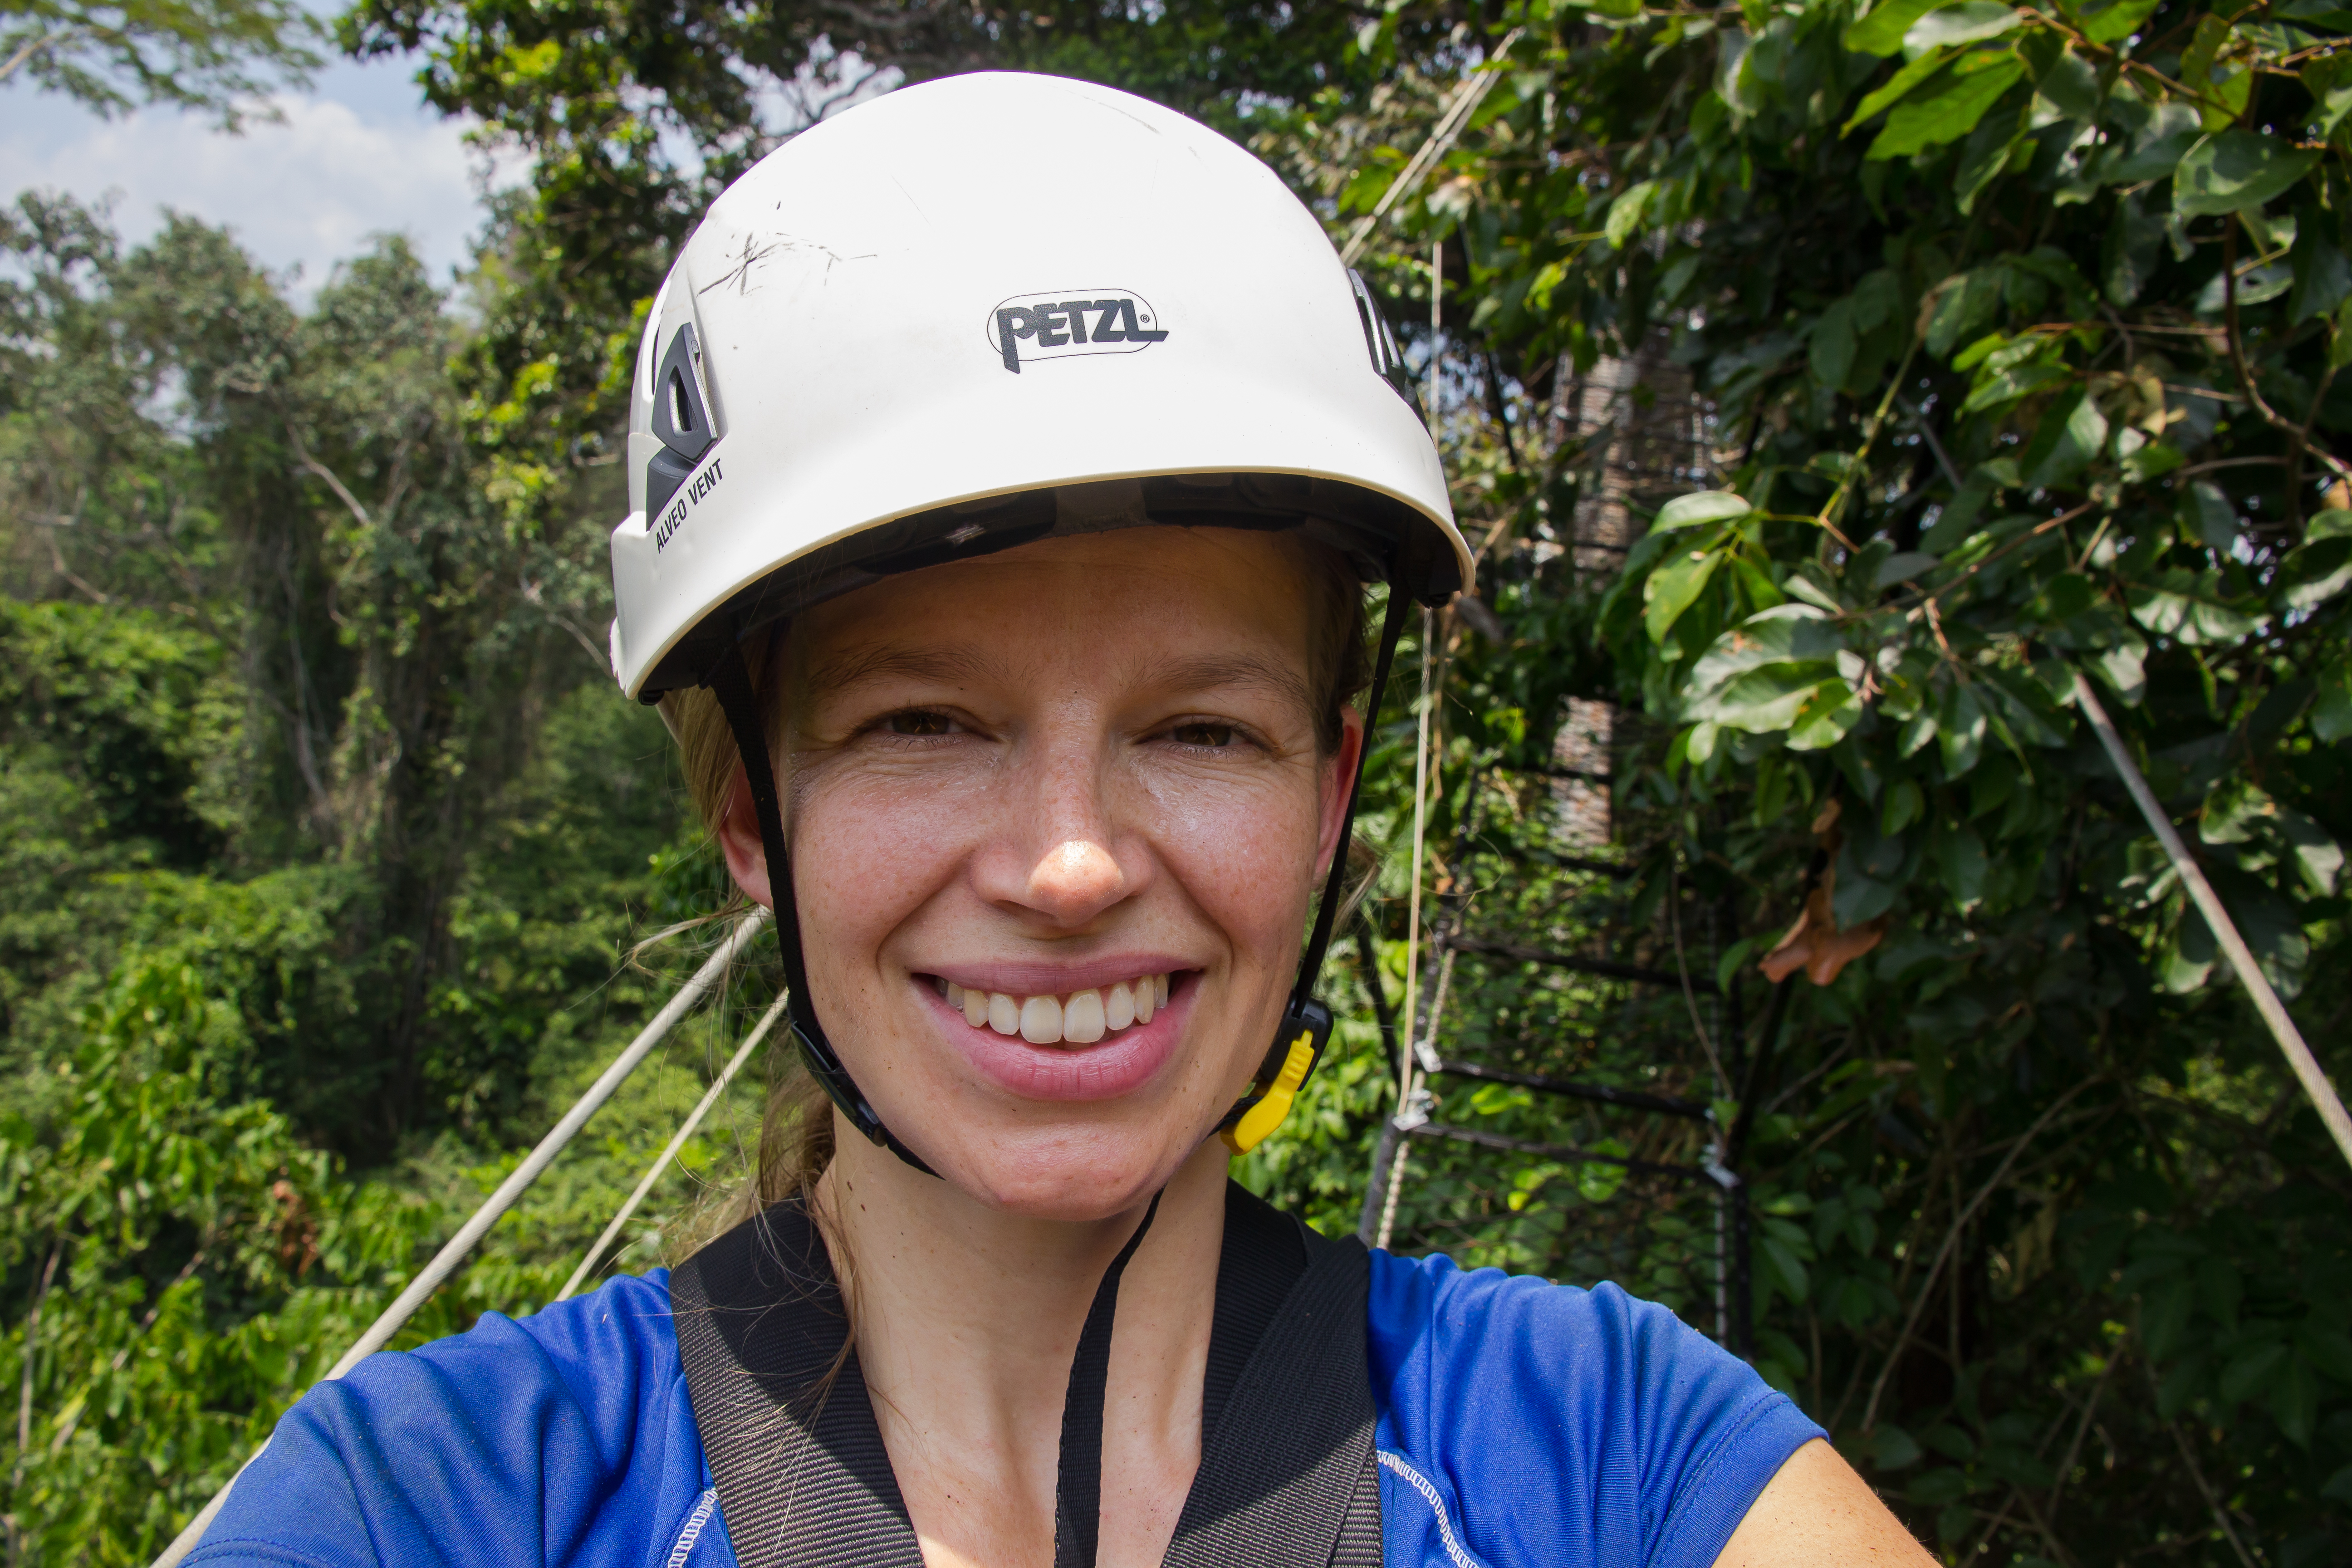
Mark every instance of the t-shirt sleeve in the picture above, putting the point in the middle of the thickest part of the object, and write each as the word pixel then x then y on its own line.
pixel 1565 1428
pixel 565 1438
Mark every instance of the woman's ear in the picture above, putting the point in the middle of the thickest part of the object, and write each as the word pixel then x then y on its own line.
pixel 1338 776
pixel 739 840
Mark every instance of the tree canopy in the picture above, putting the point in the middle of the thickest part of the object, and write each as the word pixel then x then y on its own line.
pixel 215 55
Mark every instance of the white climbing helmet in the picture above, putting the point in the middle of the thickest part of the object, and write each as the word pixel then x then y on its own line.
pixel 982 310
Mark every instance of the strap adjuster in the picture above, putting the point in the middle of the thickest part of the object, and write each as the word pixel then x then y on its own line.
pixel 1306 1030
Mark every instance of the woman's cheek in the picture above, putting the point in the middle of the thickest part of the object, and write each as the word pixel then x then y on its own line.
pixel 1248 863
pixel 878 848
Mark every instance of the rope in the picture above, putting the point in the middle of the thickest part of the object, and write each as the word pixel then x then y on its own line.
pixel 709 978
pixel 1408 1070
pixel 1450 122
pixel 2217 919
pixel 661 1162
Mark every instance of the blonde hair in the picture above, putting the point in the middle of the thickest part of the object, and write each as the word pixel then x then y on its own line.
pixel 796 1123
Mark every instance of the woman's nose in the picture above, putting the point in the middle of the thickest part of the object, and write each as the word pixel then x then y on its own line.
pixel 1060 854
pixel 1076 879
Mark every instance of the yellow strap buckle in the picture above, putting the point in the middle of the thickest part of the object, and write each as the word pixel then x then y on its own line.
pixel 1260 1119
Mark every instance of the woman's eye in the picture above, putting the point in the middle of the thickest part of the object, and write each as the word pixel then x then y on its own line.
pixel 919 723
pixel 1209 735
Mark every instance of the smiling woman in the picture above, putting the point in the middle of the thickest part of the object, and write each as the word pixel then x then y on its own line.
pixel 1006 754
pixel 1027 705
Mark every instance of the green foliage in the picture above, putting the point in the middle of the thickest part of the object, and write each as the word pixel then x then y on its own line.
pixel 322 841
pixel 2012 335
pixel 199 54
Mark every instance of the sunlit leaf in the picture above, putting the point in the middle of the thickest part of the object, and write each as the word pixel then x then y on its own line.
pixel 1880 31
pixel 1968 22
pixel 1698 507
pixel 1949 108
pixel 2231 170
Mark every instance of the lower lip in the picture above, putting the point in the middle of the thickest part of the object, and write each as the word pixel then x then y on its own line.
pixel 1117 1064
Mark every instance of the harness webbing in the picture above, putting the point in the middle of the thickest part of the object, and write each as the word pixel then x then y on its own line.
pixel 1287 1476
pixel 1077 1488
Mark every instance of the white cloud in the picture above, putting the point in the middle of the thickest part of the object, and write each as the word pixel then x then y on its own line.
pixel 357 156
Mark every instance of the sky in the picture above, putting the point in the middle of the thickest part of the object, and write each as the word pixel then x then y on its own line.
pixel 357 154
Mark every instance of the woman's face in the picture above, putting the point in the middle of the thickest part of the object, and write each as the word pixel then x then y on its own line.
pixel 1057 818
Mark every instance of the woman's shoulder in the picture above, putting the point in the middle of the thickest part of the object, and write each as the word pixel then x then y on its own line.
pixel 565 1436
pixel 1533 1423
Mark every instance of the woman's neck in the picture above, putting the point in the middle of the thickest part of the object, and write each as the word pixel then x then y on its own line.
pixel 967 1318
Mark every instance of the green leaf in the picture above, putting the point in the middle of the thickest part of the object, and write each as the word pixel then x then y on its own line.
pixel 1790 634
pixel 1952 108
pixel 2256 286
pixel 1895 88
pixel 1994 148
pixel 1902 566
pixel 2323 277
pixel 2120 664
pixel 1830 352
pixel 1785 1267
pixel 1895 1449
pixel 2120 20
pixel 1674 587
pixel 1904 806
pixel 1963 309
pixel 1880 31
pixel 2162 143
pixel 2313 575
pixel 2128 254
pixel 2070 85
pixel 1961 729
pixel 2009 385
pixel 1698 507
pixel 1938 1488
pixel 1827 715
pixel 2070 435
pixel 2145 459
pixel 2329 1349
pixel 1969 22
pixel 1626 213
pixel 2295 1401
pixel 2207 513
pixel 2248 1371
pixel 2331 713
pixel 2181 1386
pixel 2317 856
pixel 2231 170
pixel 1960 861
pixel 2190 609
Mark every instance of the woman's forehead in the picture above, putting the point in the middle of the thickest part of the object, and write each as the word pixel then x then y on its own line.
pixel 1185 602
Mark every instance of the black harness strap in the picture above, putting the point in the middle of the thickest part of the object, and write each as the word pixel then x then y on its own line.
pixel 1287 1473
pixel 787 1429
pixel 1287 1476
pixel 1077 1489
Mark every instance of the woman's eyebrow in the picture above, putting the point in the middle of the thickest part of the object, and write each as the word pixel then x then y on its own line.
pixel 967 666
pixel 1210 672
pixel 881 661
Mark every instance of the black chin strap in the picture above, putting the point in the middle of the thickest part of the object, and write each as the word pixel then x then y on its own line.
pixel 731 684
pixel 1077 1492
pixel 1305 1021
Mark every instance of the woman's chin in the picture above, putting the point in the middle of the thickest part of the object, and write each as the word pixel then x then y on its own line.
pixel 1075 1174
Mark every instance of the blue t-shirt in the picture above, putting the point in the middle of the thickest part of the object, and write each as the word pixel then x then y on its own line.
pixel 1522 1424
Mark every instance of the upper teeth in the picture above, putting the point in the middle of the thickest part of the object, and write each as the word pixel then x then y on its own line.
pixel 1082 1017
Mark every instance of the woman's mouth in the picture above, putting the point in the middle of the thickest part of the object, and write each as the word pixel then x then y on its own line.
pixel 1090 1042
pixel 1077 1017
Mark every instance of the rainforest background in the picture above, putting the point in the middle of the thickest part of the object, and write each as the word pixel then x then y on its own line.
pixel 1996 341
